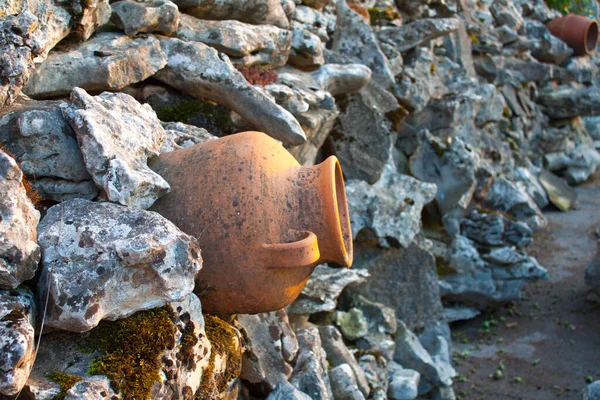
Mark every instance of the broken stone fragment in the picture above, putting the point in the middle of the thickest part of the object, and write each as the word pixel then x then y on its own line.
pixel 403 383
pixel 200 71
pixel 180 136
pixel 105 261
pixel 108 61
pixel 310 373
pixel 319 23
pixel 286 391
pixel 19 250
pixel 17 312
pixel 415 34
pixel 160 16
pixel 341 78
pixel 307 48
pixel 343 383
pixel 559 192
pixel 244 44
pixel 258 12
pixel 117 135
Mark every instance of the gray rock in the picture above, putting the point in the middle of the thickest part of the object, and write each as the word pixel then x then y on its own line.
pixel 527 178
pixel 495 230
pixel 592 274
pixel 417 33
pixel 17 312
pixel 506 12
pixel 104 261
pixel 244 44
pixel 403 279
pixel 307 48
pixel 576 166
pixel 559 192
pixel 180 136
pixel 340 79
pixel 338 354
pixel 200 71
pixel 108 61
pixel 546 47
pixel 47 150
pixel 285 391
pixel 117 135
pixel 363 135
pixel 538 9
pixel 458 48
pixel 319 23
pixel 89 16
pixel 310 372
pixel 567 102
pixel 352 324
pixel 343 383
pixel 375 369
pixel 19 250
pixel 592 126
pixel 258 12
pixel 91 388
pixel 324 287
pixel 443 393
pixel 160 16
pixel 390 209
pixel 517 70
pixel 271 346
pixel 355 39
pixel 403 383
pixel 592 391
pixel 460 313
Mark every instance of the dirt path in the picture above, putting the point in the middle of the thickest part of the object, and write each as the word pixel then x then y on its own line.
pixel 547 344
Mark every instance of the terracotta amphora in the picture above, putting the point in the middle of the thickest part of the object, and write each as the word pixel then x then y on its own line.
pixel 263 222
pixel 579 32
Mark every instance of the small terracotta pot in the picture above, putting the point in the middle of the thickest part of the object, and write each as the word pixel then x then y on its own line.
pixel 263 222
pixel 579 32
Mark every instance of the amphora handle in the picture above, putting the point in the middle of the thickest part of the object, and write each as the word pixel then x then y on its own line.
pixel 302 252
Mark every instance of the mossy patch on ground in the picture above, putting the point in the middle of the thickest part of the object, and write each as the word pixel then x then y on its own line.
pixel 65 381
pixel 130 349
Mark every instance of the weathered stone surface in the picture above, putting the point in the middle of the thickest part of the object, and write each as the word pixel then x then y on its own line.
pixel 390 209
pixel 567 102
pixel 180 136
pixel 160 16
pixel 285 391
pixel 459 49
pixel 375 369
pixel 324 287
pixel 271 346
pixel 459 313
pixel 363 137
pixel 355 39
pixel 104 261
pixel 341 78
pixel 108 61
pixel 403 279
pixel 545 47
pixel 310 373
pixel 417 33
pixel 576 166
pixel 251 11
pixel 307 48
pixel 338 354
pixel 88 16
pixel 528 179
pixel 243 43
pixel 352 324
pixel 47 150
pixel 559 192
pixel 495 230
pixel 17 312
pixel 404 383
pixel 592 391
pixel 19 251
pixel 343 383
pixel 200 71
pixel 506 12
pixel 319 23
pixel 93 387
pixel 117 135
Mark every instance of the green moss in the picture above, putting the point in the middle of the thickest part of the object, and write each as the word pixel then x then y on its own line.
pixel 379 15
pixel 396 117
pixel 506 112
pixel 474 39
pixel 130 350
pixel 65 382
pixel 205 114
pixel 222 338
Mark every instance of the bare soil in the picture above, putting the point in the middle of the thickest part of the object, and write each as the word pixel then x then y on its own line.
pixel 547 345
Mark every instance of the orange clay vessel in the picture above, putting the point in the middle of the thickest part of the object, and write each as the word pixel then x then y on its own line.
pixel 579 32
pixel 263 222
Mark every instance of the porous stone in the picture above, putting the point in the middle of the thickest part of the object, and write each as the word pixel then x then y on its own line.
pixel 310 373
pixel 403 383
pixel 93 387
pixel 180 136
pixel 417 33
pixel 354 38
pixel 545 47
pixel 108 61
pixel 258 12
pixel 19 250
pixel 105 261
pixel 17 312
pixel 271 347
pixel 200 71
pixel 324 287
pixel 244 44
pixel 286 391
pixel 320 23
pixel 352 324
pixel 307 48
pixel 343 383
pixel 160 16
pixel 567 102
pixel 495 230
pixel 390 209
pixel 117 135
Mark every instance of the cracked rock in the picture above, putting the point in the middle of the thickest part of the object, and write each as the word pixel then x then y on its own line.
pixel 258 12
pixel 310 373
pixel 160 16
pixel 417 33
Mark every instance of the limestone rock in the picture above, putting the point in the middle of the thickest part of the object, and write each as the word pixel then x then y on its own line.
pixel 352 324
pixel 160 16
pixel 104 261
pixel 17 312
pixel 199 71
pixel 495 230
pixel 545 47
pixel 576 166
pixel 180 136
pixel 506 12
pixel 271 346
pixel 310 373
pixel 93 387
pixel 244 44
pixel 355 39
pixel 19 250
pixel 390 209
pixel 404 383
pixel 342 78
pixel 417 33
pixel 108 61
pixel 117 136
pixel 324 287
pixel 567 102
pixel 375 369
pixel 559 192
pixel 307 49
pixel 319 23
pixel 286 391
pixel 258 12
pixel 343 383
pixel 47 150
pixel 592 391
pixel 88 16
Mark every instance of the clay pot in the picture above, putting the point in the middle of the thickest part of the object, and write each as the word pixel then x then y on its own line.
pixel 579 32
pixel 263 222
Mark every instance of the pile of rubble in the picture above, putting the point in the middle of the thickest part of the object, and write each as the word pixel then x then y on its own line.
pixel 455 122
